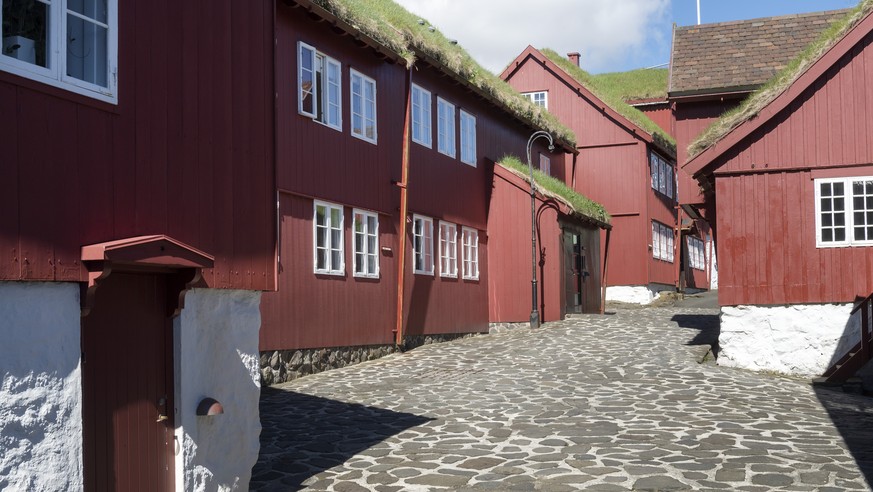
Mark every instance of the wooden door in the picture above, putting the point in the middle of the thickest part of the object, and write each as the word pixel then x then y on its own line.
pixel 127 367
pixel 572 272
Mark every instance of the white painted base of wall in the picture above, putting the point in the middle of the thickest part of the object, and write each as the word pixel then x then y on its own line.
pixel 216 345
pixel 635 294
pixel 41 390
pixel 799 339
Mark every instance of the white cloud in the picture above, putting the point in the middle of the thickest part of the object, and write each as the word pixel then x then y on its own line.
pixel 610 34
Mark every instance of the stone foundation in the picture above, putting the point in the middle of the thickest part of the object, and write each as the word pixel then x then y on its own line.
pixel 280 366
pixel 504 327
pixel 637 294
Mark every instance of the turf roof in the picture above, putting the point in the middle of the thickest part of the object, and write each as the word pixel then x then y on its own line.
pixel 555 188
pixel 633 85
pixel 613 95
pixel 759 99
pixel 399 30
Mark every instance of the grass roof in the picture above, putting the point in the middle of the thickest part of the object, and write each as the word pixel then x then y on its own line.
pixel 614 97
pixel 759 99
pixel 555 188
pixel 399 30
pixel 643 83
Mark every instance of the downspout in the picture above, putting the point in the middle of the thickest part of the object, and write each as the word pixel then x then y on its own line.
pixel 404 210
pixel 603 277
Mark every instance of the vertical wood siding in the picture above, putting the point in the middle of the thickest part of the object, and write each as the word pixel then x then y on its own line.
pixel 187 151
pixel 661 114
pixel 766 219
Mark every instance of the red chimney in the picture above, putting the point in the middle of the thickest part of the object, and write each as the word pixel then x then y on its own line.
pixel 574 57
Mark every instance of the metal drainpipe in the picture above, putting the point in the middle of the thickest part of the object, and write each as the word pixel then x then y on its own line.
pixel 603 277
pixel 404 210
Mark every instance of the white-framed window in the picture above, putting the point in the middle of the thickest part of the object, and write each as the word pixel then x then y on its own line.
pixel 422 244
pixel 319 86
pixel 363 106
pixel 662 242
pixel 421 132
pixel 445 127
pixel 71 44
pixel 327 224
pixel 696 253
pixel 545 164
pixel 448 250
pixel 663 175
pixel 470 253
pixel 365 231
pixel 844 212
pixel 468 138
pixel 540 98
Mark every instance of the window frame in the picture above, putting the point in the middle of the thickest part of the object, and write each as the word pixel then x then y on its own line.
pixel 469 253
pixel 663 242
pixel 332 269
pixel 532 97
pixel 696 253
pixel 56 52
pixel 848 211
pixel 320 102
pixel 427 240
pixel 545 164
pixel 364 80
pixel 449 135
pixel 468 138
pixel 418 95
pixel 448 262
pixel 366 253
pixel 663 175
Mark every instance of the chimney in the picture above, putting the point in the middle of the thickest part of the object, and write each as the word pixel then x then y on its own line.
pixel 574 57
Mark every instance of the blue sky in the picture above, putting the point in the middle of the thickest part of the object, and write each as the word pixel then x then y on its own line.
pixel 612 35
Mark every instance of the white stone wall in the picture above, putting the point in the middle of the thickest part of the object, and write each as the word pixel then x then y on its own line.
pixel 635 294
pixel 795 339
pixel 713 265
pixel 216 342
pixel 41 390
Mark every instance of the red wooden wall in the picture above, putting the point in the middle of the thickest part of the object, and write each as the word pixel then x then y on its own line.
pixel 187 151
pixel 613 169
pixel 661 114
pixel 765 194
pixel 317 162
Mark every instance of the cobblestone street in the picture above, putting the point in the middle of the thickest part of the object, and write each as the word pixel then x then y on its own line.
pixel 617 402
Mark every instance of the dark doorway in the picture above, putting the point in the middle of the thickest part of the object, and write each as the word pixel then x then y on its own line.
pixel 127 366
pixel 574 268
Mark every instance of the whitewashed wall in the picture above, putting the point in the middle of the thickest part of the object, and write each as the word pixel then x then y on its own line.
pixel 216 341
pixel 41 390
pixel 795 339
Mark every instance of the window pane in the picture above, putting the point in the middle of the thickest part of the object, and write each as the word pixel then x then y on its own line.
pixel 826 205
pixel 859 234
pixel 827 220
pixel 840 234
pixel 826 189
pixel 321 237
pixel 827 235
pixel 93 9
pixel 839 204
pixel 306 80
pixel 840 219
pixel 359 262
pixel 87 51
pixel 838 189
pixel 335 259
pixel 25 31
pixel 334 238
pixel 321 262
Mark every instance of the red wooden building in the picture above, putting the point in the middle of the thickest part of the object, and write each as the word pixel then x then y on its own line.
pixel 790 189
pixel 384 191
pixel 135 238
pixel 625 162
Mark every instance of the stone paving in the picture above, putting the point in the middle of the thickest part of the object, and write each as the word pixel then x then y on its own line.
pixel 614 402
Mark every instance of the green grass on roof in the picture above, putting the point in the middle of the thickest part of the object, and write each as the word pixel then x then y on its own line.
pixel 612 97
pixel 399 30
pixel 577 202
pixel 759 99
pixel 643 83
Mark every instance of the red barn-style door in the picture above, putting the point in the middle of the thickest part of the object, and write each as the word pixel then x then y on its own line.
pixel 127 366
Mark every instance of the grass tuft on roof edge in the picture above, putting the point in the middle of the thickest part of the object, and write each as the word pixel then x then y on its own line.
pixel 759 99
pixel 600 88
pixel 399 30
pixel 555 188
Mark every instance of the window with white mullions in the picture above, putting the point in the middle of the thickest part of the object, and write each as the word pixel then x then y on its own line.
pixel 421 116
pixel 468 138
pixel 844 211
pixel 448 249
pixel 366 241
pixel 70 44
pixel 363 106
pixel 470 253
pixel 319 86
pixel 662 242
pixel 539 98
pixel 663 175
pixel 328 238
pixel 696 256
pixel 445 127
pixel 422 244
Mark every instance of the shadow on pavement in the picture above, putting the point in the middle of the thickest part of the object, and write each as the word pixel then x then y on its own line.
pixel 708 327
pixel 303 435
pixel 852 415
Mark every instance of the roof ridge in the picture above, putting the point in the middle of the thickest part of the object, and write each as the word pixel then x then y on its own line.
pixel 821 13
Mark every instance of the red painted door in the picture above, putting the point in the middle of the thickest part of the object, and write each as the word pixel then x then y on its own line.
pixel 127 384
